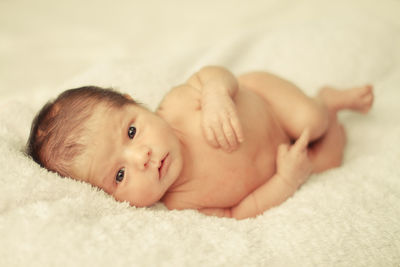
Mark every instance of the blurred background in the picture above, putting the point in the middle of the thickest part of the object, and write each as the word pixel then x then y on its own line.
pixel 45 42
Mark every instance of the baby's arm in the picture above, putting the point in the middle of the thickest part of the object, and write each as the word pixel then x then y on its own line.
pixel 293 169
pixel 220 122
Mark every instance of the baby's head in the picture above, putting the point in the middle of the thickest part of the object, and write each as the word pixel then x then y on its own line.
pixel 103 137
pixel 58 131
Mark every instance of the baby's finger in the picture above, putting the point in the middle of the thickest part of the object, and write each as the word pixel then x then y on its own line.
pixel 219 133
pixel 230 135
pixel 210 136
pixel 237 127
pixel 282 149
pixel 302 143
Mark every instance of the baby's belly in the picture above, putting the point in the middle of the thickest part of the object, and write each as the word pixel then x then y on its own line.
pixel 219 179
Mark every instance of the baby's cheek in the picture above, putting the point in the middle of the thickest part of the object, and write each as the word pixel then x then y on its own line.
pixel 120 197
pixel 139 195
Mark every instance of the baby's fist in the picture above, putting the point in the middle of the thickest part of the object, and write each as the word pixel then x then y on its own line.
pixel 293 164
pixel 220 121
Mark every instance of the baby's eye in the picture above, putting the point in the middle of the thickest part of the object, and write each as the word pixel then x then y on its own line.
pixel 131 131
pixel 120 175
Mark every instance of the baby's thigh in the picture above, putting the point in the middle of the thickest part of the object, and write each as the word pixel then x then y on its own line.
pixel 294 110
pixel 327 152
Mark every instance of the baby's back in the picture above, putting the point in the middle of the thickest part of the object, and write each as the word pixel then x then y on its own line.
pixel 213 177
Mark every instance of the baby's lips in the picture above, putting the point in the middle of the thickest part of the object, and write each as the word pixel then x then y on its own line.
pixel 159 164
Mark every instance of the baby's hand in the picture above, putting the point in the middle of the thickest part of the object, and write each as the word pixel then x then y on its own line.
pixel 293 164
pixel 220 122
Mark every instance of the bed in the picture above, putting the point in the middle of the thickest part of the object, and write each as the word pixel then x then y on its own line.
pixel 348 216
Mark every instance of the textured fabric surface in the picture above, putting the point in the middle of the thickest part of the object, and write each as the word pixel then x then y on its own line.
pixel 349 216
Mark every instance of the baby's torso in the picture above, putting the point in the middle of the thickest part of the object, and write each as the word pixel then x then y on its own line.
pixel 218 179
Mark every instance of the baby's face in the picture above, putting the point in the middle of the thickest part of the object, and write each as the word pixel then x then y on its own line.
pixel 131 154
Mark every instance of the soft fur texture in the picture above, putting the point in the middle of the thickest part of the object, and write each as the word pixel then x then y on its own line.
pixel 349 216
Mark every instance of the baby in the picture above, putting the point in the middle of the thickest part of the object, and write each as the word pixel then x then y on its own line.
pixel 226 146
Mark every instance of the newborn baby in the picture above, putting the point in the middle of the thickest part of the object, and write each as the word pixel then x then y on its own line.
pixel 226 146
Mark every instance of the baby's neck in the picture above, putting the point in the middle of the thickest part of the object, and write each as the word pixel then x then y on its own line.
pixel 182 179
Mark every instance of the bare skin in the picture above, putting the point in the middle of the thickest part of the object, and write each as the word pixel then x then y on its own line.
pixel 226 146
pixel 328 151
pixel 265 106
pixel 320 111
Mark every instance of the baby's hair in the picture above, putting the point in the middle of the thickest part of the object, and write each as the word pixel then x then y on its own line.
pixel 56 135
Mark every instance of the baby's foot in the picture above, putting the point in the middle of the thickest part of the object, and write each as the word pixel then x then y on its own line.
pixel 358 98
pixel 361 98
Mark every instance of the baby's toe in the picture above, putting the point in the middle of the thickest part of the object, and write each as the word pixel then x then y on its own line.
pixel 366 90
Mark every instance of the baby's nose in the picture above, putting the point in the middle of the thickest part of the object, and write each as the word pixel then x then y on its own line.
pixel 140 157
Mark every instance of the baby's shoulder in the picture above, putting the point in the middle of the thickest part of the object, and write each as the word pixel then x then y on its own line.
pixel 182 98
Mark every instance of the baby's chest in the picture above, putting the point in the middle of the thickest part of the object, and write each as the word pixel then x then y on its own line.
pixel 216 178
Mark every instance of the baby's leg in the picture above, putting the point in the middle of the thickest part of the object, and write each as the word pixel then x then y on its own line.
pixel 294 110
pixel 327 152
pixel 358 99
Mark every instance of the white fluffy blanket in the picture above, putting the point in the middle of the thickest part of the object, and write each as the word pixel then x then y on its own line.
pixel 349 216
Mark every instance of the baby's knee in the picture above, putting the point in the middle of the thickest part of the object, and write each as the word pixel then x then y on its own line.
pixel 313 117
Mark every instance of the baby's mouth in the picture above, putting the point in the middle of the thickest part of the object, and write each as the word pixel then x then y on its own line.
pixel 163 166
pixel 159 168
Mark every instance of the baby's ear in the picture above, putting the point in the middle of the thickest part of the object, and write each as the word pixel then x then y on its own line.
pixel 127 96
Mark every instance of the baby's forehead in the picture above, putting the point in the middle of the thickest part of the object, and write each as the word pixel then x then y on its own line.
pixel 94 135
pixel 103 112
pixel 99 135
pixel 105 121
pixel 99 115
